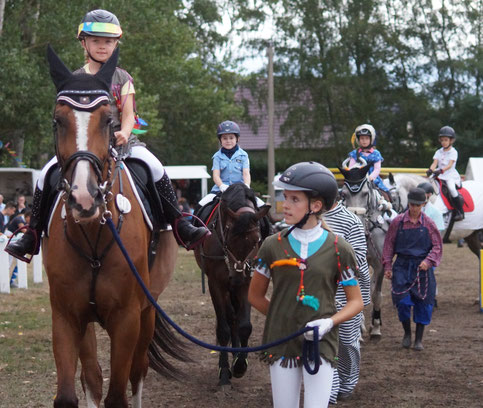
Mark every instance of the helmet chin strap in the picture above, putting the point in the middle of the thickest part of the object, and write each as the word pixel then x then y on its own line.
pixel 300 224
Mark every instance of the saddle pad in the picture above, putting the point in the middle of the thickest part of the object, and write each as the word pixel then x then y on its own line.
pixel 468 205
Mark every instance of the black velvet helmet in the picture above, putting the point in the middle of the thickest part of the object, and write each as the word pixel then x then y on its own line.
pixel 447 131
pixel 417 196
pixel 313 178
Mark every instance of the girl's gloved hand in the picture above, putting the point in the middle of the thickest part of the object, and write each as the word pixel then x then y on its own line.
pixel 223 187
pixel 324 327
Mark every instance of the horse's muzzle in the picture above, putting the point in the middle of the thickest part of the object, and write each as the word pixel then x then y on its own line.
pixel 357 210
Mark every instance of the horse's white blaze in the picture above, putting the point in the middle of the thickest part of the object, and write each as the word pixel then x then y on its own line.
pixel 82 124
pixel 137 397
pixel 82 171
pixel 90 400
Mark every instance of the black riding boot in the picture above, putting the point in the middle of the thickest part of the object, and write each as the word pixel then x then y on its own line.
pixel 458 212
pixel 190 235
pixel 418 343
pixel 406 341
pixel 30 241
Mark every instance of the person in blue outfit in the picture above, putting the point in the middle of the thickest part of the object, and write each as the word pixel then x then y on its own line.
pixel 429 209
pixel 230 163
pixel 366 137
pixel 416 241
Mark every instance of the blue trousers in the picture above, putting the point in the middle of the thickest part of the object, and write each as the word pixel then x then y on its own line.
pixel 421 312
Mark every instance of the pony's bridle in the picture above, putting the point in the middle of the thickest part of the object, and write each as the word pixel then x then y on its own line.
pixel 235 266
pixel 88 100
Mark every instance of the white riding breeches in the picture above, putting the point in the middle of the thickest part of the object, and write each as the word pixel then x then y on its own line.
pixel 451 184
pixel 209 198
pixel 286 384
pixel 137 152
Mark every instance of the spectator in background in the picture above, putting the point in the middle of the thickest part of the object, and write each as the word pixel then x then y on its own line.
pixel 7 212
pixel 2 204
pixel 19 221
pixel 21 204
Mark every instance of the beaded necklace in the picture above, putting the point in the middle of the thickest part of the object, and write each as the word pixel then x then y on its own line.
pixel 307 300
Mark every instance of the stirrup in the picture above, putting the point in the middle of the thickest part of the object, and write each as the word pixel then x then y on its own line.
pixel 23 258
pixel 191 245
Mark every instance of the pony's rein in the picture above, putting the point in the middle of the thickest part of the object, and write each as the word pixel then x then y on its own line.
pixel 310 351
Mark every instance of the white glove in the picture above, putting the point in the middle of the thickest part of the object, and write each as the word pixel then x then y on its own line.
pixel 324 327
pixel 223 187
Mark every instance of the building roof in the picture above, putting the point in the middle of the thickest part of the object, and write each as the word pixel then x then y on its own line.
pixel 254 135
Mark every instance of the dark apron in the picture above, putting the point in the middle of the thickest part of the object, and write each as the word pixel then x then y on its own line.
pixel 412 246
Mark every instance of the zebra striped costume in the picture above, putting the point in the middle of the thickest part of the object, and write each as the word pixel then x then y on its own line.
pixel 349 226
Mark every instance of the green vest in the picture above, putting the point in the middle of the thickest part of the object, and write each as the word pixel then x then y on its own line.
pixel 286 315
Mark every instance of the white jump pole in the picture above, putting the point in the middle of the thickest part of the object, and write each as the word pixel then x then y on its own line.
pixel 37 261
pixel 4 267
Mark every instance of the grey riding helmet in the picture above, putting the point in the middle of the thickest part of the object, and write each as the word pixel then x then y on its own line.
pixel 447 131
pixel 228 127
pixel 99 23
pixel 417 196
pixel 427 187
pixel 313 178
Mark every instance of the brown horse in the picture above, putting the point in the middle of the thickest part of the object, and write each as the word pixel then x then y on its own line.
pixel 89 279
pixel 226 259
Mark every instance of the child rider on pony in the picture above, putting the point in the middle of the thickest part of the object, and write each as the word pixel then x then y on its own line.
pixel 99 34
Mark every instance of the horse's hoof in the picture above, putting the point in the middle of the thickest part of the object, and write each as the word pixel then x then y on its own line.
pixel 224 374
pixel 239 367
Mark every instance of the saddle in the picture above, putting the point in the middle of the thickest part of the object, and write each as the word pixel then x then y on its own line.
pixel 464 197
pixel 149 199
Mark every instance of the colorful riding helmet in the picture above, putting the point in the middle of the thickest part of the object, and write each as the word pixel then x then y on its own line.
pixel 99 23
pixel 227 127
pixel 417 196
pixel 447 131
pixel 366 130
pixel 427 187
pixel 313 178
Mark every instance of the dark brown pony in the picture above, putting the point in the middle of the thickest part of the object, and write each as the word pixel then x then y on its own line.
pixel 226 259
pixel 89 279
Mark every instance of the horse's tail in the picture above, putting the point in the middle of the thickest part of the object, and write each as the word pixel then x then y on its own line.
pixel 164 343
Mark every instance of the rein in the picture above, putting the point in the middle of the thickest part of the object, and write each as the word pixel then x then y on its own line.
pixel 310 349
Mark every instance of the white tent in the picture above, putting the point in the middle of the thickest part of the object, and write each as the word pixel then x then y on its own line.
pixel 189 173
pixel 474 169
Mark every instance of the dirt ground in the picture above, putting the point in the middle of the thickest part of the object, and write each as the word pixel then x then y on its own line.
pixel 448 373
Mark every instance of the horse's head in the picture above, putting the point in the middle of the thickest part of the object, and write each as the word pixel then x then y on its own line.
pixel 83 135
pixel 356 191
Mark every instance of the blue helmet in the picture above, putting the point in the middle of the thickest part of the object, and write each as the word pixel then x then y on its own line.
pixel 227 127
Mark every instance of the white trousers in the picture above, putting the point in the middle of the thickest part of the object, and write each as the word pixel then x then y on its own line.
pixel 137 152
pixel 286 384
pixel 209 198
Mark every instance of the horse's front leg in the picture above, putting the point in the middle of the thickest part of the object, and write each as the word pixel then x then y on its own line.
pixel 220 299
pixel 91 374
pixel 244 330
pixel 375 329
pixel 123 327
pixel 65 342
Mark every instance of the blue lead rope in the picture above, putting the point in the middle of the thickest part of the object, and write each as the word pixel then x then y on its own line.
pixel 310 349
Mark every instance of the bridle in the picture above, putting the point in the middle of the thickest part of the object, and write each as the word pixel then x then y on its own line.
pixel 89 101
pixel 236 267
